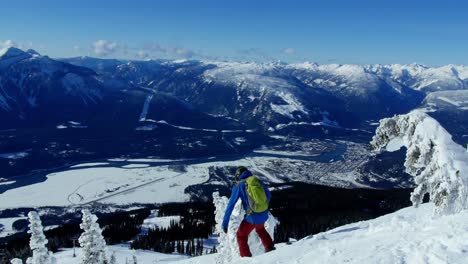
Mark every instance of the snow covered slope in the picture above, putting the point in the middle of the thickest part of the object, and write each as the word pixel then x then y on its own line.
pixel 122 255
pixel 456 100
pixel 411 235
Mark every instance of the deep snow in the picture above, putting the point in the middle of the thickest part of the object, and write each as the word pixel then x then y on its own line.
pixel 411 235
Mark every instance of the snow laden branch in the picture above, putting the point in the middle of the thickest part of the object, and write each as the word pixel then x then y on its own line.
pixel 228 247
pixel 439 165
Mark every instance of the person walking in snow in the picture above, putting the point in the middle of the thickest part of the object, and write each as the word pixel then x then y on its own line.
pixel 255 198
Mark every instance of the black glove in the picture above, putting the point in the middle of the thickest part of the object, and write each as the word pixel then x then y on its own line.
pixel 225 229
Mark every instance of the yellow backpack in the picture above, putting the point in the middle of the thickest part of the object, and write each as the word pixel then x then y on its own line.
pixel 256 195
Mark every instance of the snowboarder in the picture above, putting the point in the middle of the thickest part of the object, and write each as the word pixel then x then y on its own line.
pixel 255 198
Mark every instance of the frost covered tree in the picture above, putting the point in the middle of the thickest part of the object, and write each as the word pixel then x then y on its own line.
pixel 38 242
pixel 112 259
pixel 439 165
pixel 228 247
pixel 16 261
pixel 92 241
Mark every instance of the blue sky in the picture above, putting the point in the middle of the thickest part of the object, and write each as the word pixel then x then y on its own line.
pixel 351 31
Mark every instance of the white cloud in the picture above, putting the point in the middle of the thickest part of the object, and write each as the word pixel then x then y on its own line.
pixel 253 52
pixel 8 43
pixel 142 55
pixel 104 47
pixel 11 43
pixel 289 51
pixel 256 54
pixel 171 51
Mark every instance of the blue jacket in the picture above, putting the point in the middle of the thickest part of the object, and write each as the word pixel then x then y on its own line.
pixel 239 192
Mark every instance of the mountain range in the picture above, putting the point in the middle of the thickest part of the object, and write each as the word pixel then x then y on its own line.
pixel 87 108
pixel 262 95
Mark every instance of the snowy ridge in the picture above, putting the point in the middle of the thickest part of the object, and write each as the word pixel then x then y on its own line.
pixel 410 235
pixel 421 77
pixel 259 80
pixel 30 83
pixel 353 73
pixel 289 90
pixel 415 76
pixel 9 56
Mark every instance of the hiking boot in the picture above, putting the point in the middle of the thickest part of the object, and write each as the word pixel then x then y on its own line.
pixel 270 249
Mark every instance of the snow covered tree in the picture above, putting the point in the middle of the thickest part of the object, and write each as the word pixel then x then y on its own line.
pixel 228 246
pixel 16 261
pixel 92 241
pixel 439 165
pixel 38 242
pixel 112 259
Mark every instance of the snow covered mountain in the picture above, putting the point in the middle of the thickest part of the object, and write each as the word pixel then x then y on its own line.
pixel 423 78
pixel 203 107
pixel 273 95
pixel 37 89
pixel 184 102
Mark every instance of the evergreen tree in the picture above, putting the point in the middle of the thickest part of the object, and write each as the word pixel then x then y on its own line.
pixel 182 248
pixel 192 248
pixel 41 254
pixel 112 259
pixel 437 164
pixel 92 241
pixel 187 248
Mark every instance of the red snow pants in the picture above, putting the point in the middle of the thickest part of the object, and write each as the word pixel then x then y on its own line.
pixel 243 235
